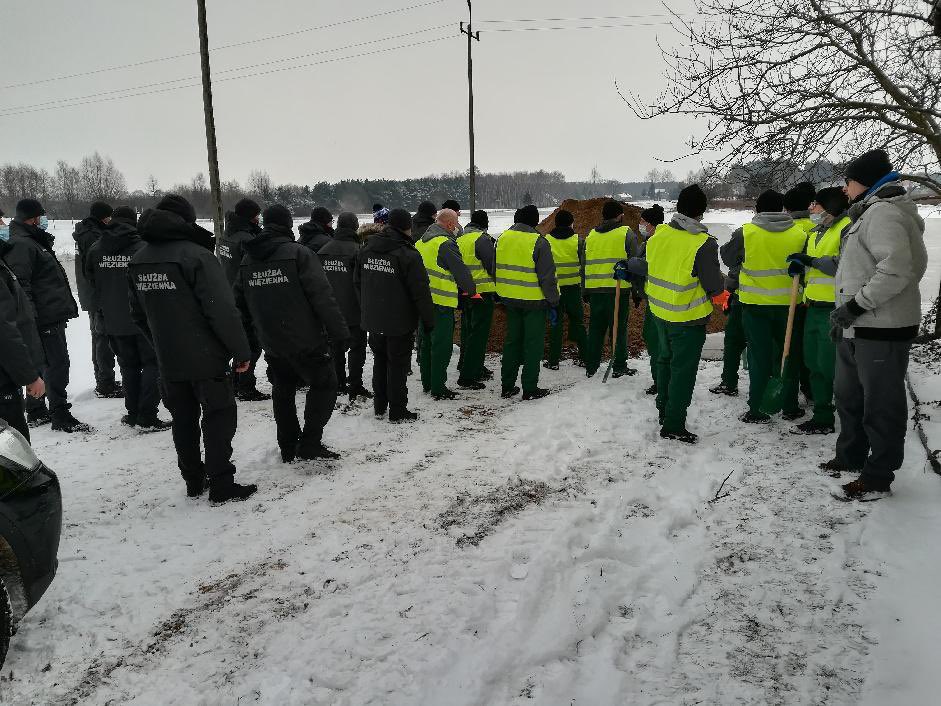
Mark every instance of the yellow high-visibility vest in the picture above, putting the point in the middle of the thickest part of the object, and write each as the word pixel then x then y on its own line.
pixel 602 252
pixel 673 294
pixel 467 242
pixel 516 268
pixel 763 278
pixel 818 286
pixel 443 286
pixel 565 254
pixel 805 223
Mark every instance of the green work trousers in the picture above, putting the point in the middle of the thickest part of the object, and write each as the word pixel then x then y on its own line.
pixel 679 352
pixel 435 353
pixel 600 321
pixel 733 347
pixel 765 327
pixel 820 358
pixel 570 307
pixel 476 318
pixel 651 340
pixel 523 346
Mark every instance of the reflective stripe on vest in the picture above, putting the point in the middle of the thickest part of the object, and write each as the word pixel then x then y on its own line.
pixel 443 286
pixel 516 268
pixel 820 287
pixel 602 252
pixel 763 278
pixel 467 243
pixel 673 294
pixel 565 254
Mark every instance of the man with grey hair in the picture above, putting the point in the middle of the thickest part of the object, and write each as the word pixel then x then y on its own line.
pixel 449 277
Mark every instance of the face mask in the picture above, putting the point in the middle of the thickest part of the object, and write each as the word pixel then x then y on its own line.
pixel 818 218
pixel 644 230
pixel 43 223
pixel 4 233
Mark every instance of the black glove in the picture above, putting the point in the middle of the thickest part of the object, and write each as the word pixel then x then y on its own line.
pixel 801 257
pixel 795 268
pixel 846 315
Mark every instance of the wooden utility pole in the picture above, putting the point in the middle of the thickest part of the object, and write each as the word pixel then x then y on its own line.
pixel 215 185
pixel 471 38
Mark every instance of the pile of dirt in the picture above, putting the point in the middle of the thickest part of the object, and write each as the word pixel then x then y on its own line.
pixel 588 215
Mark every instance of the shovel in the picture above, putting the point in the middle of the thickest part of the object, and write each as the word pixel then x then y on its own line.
pixel 773 399
pixel 614 330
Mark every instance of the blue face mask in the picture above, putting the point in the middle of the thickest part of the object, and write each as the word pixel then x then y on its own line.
pixel 43 223
pixel 4 233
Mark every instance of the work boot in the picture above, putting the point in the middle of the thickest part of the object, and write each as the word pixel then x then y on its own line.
pixel 652 390
pixel 252 395
pixel 445 394
pixel 835 468
pixel 38 417
pixel 288 453
pixel 509 392
pixel 403 415
pixel 379 408
pixel 860 489
pixel 359 391
pixel 755 418
pixel 316 452
pixel 62 420
pixel 221 492
pixel 195 485
pixel 813 427
pixel 153 424
pixel 471 385
pixel 793 414
pixel 550 366
pixel 687 437
pixel 110 391
pixel 129 420
pixel 628 372
pixel 534 394
pixel 723 389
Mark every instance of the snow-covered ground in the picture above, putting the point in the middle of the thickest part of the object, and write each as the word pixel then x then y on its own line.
pixel 497 552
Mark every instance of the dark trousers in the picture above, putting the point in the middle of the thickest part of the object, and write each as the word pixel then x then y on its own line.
pixel 13 412
pixel 733 347
pixel 102 355
pixel 247 381
pixel 214 401
pixel 523 346
pixel 873 407
pixel 356 358
pixel 436 349
pixel 318 373
pixel 140 375
pixel 600 321
pixel 820 359
pixel 476 319
pixel 392 358
pixel 652 341
pixel 679 352
pixel 571 308
pixel 765 327
pixel 55 370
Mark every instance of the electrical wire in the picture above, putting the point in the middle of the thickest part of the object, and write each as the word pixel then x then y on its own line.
pixel 222 47
pixel 580 19
pixel 552 29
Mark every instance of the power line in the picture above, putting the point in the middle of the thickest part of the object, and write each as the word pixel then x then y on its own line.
pixel 222 47
pixel 230 78
pixel 12 109
pixel 581 19
pixel 552 29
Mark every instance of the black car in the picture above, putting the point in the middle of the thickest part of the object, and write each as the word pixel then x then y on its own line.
pixel 30 522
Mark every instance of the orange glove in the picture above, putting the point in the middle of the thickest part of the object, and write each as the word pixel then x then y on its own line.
pixel 722 300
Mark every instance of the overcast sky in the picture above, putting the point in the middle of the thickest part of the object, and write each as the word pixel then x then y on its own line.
pixel 544 99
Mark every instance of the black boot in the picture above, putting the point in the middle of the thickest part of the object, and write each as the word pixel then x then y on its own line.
pixel 652 390
pixel 316 452
pixel 471 385
pixel 195 483
pixel 550 366
pixel 38 417
pixel 535 394
pixel 445 394
pixel 487 375
pixel 629 372
pixel 687 437
pixel 813 428
pixel 359 391
pixel 153 424
pixel 723 389
pixel 62 420
pixel 755 418
pixel 252 395
pixel 110 391
pixel 399 416
pixel 223 491
pixel 792 415
pixel 129 420
pixel 509 392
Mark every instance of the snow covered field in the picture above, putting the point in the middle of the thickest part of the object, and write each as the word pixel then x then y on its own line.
pixel 497 552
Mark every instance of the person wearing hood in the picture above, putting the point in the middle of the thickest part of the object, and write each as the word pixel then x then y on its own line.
pixel 449 279
pixel 478 252
pixel 32 259
pixel 339 262
pixel 607 244
pixel 241 225
pixel 423 218
pixel 106 272
pixel 757 255
pixel 527 286
pixel 650 218
pixel 876 316
pixel 181 301
pixel 395 299
pixel 566 246
pixel 681 267
pixel 21 352
pixel 817 265
pixel 284 294
pixel 87 233
pixel 318 230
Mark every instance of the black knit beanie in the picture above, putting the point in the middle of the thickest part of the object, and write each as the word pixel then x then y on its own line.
pixel 125 214
pixel 321 215
pixel 800 197
pixel 452 204
pixel 611 209
pixel 347 220
pixel 400 219
pixel 653 215
pixel 528 215
pixel 564 219
pixel 869 168
pixel 278 215
pixel 426 208
pixel 29 208
pixel 692 202
pixel 247 209
pixel 770 202
pixel 178 205
pixel 480 219
pixel 100 210
pixel 833 200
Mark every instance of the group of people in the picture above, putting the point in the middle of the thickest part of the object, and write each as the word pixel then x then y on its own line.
pixel 188 318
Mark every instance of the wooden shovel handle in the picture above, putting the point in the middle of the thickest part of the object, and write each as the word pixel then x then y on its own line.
pixel 795 288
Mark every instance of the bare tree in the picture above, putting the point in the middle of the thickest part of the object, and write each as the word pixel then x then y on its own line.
pixel 151 187
pixel 259 183
pixel 68 184
pixel 101 179
pixel 796 81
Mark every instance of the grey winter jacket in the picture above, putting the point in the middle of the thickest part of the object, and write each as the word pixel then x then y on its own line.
pixel 882 260
pixel 449 258
pixel 545 272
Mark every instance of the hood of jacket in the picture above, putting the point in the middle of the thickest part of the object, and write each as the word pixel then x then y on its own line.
pixel 22 230
pixel 368 230
pixel 609 225
pixel 390 239
pixel 474 228
pixel 436 231
pixel 347 235
pixel 773 222
pixel 562 232
pixel 690 225
pixel 893 192
pixel 420 220
pixel 235 223
pixel 799 214
pixel 118 237
pixel 86 225
pixel 310 230
pixel 159 226
pixel 264 245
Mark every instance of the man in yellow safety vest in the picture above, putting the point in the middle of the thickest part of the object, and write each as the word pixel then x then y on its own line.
pixel 478 251
pixel 566 247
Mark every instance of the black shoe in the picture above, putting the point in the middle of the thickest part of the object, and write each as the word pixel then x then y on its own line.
pixel 65 422
pixel 813 427
pixel 860 489
pixel 38 417
pixel 652 390
pixel 359 391
pixel 509 392
pixel 195 486
pixel 110 392
pixel 379 409
pixel 229 491
pixel 550 366
pixel 536 394
pixel 590 373
pixel 129 420
pixel 793 415
pixel 687 437
pixel 723 389
pixel 400 416
pixel 317 452
pixel 471 385
pixel 288 454
pixel 446 394
pixel 154 424
pixel 836 466
pixel 628 372
pixel 487 374
pixel 252 395
pixel 755 418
